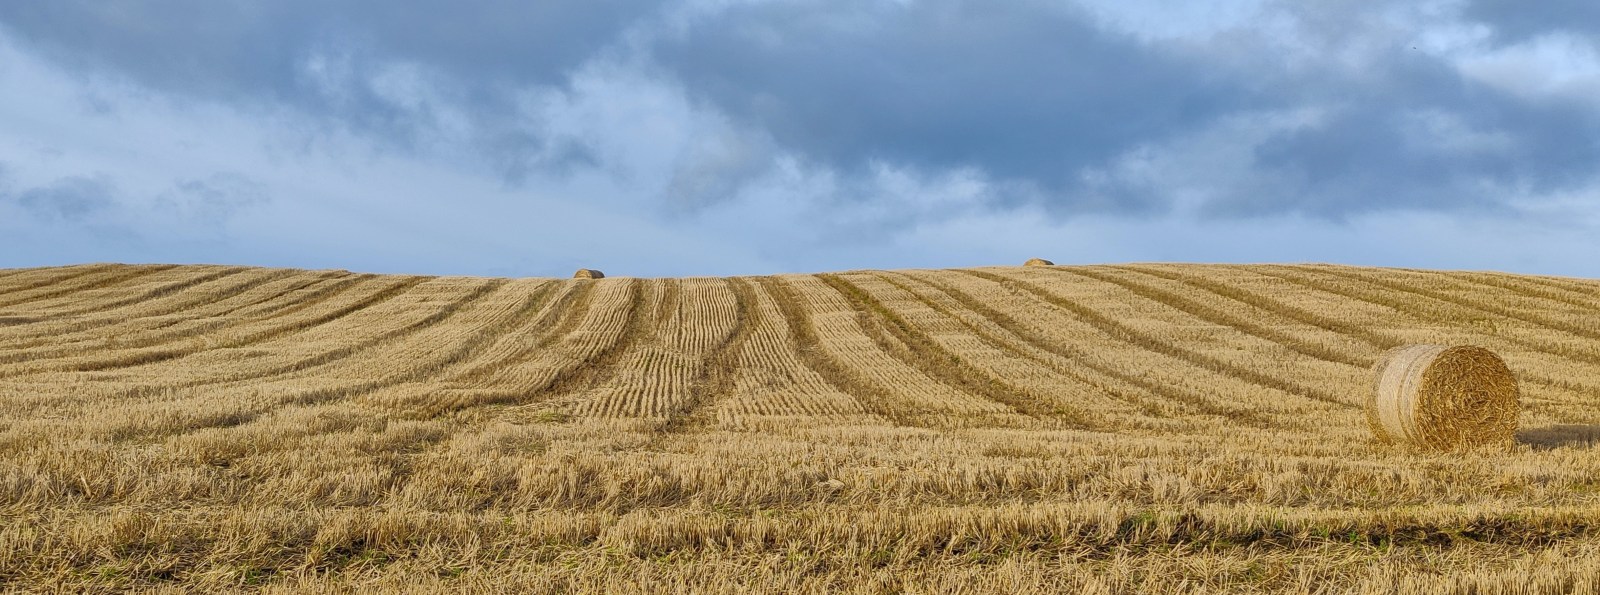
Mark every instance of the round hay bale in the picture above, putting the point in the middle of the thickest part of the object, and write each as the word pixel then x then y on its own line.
pixel 588 274
pixel 1443 398
pixel 1038 262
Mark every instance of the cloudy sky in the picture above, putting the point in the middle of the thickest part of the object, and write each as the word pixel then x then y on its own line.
pixel 714 137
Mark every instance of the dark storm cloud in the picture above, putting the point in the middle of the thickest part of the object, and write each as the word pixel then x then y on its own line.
pixel 1033 95
pixel 245 50
pixel 1415 134
pixel 1367 158
pixel 1044 102
pixel 324 57
pixel 1025 92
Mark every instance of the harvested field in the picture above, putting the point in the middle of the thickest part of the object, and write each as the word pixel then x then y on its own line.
pixel 1161 428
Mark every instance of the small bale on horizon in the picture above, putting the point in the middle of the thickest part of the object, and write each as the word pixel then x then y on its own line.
pixel 1038 262
pixel 1443 398
pixel 588 274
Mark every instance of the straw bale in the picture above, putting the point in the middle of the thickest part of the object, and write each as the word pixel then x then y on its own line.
pixel 588 274
pixel 1443 398
pixel 1038 262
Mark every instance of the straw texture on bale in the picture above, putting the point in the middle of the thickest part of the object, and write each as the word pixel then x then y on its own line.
pixel 1443 398
pixel 1038 262
pixel 588 274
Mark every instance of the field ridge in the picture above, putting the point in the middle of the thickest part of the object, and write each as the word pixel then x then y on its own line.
pixel 1133 427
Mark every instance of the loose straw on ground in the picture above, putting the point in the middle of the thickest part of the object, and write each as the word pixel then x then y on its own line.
pixel 1443 398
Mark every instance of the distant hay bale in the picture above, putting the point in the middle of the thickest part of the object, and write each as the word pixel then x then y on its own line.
pixel 588 274
pixel 1443 398
pixel 1038 262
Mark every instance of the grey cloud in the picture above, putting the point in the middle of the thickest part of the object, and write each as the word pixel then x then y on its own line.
pixel 1514 21
pixel 1412 133
pixel 1035 96
pixel 245 50
pixel 188 205
pixel 212 199
pixel 1026 92
pixel 518 154
pixel 1368 158
pixel 73 198
pixel 715 169
pixel 400 71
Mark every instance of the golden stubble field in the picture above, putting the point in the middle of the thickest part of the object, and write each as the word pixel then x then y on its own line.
pixel 1160 428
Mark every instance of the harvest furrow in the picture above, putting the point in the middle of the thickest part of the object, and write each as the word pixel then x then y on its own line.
pixel 1127 333
pixel 1549 366
pixel 996 353
pixel 159 315
pixel 773 378
pixel 272 328
pixel 96 279
pixel 1458 319
pixel 295 299
pixel 186 280
pixel 1234 339
pixel 23 280
pixel 411 354
pixel 373 376
pixel 406 366
pixel 272 303
pixel 302 365
pixel 616 313
pixel 613 309
pixel 113 283
pixel 883 386
pixel 1577 326
pixel 739 433
pixel 287 300
pixel 1055 349
pixel 214 353
pixel 1215 314
pixel 1576 306
pixel 278 311
pixel 8 273
pixel 1573 284
pixel 647 302
pixel 267 298
pixel 1534 286
pixel 651 378
pixel 1181 387
pixel 553 322
pixel 1377 340
pixel 284 324
pixel 431 350
pixel 914 347
pixel 714 379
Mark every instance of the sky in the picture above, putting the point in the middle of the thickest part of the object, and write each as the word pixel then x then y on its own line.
pixel 732 137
